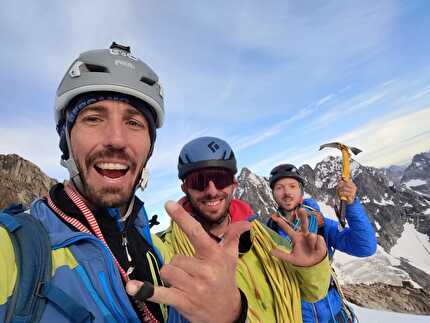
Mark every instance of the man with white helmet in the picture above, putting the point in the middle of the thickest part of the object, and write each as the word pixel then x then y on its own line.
pixel 107 109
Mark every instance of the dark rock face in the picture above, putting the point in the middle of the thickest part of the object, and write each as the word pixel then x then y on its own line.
pixel 390 298
pixel 21 181
pixel 256 191
pixel 395 173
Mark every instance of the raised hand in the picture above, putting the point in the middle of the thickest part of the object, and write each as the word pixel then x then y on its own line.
pixel 308 248
pixel 202 288
pixel 347 189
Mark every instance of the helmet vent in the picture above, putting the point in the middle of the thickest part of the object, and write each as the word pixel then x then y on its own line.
pixel 148 81
pixel 96 68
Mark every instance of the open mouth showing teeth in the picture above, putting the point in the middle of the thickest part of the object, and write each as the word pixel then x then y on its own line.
pixel 212 203
pixel 111 170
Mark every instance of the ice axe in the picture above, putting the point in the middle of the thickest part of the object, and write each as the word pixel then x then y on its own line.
pixel 346 154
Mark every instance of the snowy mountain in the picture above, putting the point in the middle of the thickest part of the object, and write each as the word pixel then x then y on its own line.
pixel 417 175
pixel 395 173
pixel 400 270
pixel 366 315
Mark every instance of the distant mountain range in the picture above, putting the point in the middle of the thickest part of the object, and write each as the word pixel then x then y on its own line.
pixel 417 175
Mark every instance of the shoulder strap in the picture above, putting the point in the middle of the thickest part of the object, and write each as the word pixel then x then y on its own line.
pixel 33 260
pixel 316 213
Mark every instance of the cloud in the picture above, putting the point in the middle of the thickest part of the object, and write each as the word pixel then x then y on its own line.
pixel 391 139
pixel 261 136
pixel 325 99
pixel 394 141
pixel 420 94
pixel 350 105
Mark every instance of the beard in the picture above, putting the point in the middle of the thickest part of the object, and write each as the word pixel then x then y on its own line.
pixel 294 202
pixel 106 197
pixel 208 220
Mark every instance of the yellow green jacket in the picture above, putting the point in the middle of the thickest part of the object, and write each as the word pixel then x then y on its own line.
pixel 273 288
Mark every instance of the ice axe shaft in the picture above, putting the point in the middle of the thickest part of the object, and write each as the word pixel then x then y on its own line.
pixel 346 154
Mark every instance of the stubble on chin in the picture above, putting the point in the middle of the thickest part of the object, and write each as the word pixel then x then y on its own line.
pixel 209 218
pixel 107 197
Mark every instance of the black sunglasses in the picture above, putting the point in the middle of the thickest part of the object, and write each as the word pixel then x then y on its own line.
pixel 199 180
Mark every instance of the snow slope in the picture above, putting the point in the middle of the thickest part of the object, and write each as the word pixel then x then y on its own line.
pixel 413 246
pixel 366 315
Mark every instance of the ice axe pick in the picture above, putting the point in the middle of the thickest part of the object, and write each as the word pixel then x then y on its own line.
pixel 346 154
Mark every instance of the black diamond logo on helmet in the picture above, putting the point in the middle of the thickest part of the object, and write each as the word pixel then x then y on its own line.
pixel 213 146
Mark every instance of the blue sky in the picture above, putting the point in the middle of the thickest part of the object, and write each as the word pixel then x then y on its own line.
pixel 275 79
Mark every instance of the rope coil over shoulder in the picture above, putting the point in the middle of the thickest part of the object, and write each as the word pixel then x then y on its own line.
pixel 283 282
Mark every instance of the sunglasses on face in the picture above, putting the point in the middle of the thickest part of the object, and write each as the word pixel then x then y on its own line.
pixel 199 180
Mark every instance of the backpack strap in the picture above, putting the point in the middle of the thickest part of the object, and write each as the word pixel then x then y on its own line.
pixel 347 314
pixel 66 304
pixel 33 260
pixel 32 290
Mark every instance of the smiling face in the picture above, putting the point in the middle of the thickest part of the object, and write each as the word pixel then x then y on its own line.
pixel 110 143
pixel 212 204
pixel 287 193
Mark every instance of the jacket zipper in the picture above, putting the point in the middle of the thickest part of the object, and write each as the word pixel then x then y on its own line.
pixel 315 313
pixel 111 268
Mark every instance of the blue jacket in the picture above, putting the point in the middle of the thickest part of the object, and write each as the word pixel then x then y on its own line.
pixel 82 268
pixel 358 240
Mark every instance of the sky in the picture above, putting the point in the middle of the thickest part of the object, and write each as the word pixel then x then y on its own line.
pixel 276 79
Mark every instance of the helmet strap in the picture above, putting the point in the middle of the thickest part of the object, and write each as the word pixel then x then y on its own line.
pixel 144 177
pixel 71 166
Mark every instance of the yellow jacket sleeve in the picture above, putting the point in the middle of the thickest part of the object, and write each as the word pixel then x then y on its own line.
pixel 314 281
pixel 163 247
pixel 8 267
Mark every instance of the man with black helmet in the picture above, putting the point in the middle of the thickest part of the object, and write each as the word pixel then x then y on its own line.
pixel 287 184
pixel 271 277
pixel 107 109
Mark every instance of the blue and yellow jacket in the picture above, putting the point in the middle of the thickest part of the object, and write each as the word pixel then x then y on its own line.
pixel 82 267
pixel 358 239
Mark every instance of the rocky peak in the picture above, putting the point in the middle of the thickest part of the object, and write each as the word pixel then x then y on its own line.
pixel 256 191
pixel 21 181
pixel 395 173
pixel 417 175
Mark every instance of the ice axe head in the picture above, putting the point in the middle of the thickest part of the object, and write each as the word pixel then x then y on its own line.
pixel 346 153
